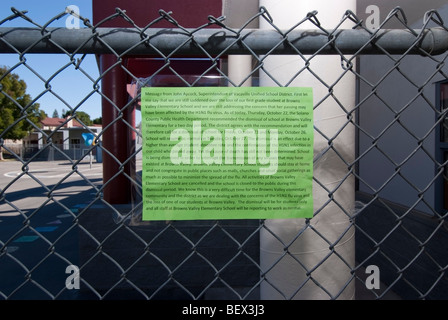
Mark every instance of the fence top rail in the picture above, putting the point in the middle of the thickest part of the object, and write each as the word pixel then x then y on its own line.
pixel 212 41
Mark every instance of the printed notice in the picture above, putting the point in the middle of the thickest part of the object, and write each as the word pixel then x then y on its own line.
pixel 227 153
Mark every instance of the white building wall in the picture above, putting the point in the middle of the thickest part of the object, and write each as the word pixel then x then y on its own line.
pixel 396 142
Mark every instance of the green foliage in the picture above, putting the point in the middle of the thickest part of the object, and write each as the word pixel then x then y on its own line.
pixel 65 113
pixel 79 115
pixel 98 120
pixel 17 114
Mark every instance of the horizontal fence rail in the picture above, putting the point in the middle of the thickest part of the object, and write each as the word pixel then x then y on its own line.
pixel 153 41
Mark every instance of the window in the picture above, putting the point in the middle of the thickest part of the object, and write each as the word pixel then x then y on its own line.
pixel 75 142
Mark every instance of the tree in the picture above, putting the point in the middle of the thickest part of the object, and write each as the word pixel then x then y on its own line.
pixel 84 118
pixel 17 115
pixel 55 113
pixel 66 114
pixel 98 120
pixel 79 115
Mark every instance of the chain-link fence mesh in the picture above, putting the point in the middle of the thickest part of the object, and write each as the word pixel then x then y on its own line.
pixel 60 206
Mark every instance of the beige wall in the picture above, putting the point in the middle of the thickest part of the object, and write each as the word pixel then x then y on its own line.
pixel 414 10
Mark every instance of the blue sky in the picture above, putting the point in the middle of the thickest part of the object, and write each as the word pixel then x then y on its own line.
pixel 70 85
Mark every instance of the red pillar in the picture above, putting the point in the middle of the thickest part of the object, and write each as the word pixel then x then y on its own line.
pixel 118 138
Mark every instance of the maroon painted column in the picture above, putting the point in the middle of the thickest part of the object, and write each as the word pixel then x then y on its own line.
pixel 118 138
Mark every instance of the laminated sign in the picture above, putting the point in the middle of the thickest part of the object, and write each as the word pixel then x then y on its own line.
pixel 227 153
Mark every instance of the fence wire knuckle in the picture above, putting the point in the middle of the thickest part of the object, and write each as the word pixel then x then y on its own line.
pixel 386 180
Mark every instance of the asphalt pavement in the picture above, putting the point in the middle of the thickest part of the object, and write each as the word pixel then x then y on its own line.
pixel 39 231
pixel 38 234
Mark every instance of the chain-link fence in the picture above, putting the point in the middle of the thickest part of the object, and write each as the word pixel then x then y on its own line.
pixel 71 228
